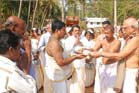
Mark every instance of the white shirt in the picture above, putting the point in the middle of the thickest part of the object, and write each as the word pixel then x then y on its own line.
pixel 87 43
pixel 69 48
pixel 69 43
pixel 43 41
pixel 34 45
pixel 12 79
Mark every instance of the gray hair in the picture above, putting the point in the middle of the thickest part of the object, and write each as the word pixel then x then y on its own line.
pixel 135 25
pixel 9 23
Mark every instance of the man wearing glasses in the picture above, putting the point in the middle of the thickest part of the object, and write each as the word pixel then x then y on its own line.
pixel 127 78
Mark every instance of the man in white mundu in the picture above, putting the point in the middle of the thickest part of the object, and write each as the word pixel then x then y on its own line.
pixel 127 75
pixel 73 44
pixel 88 42
pixel 58 69
pixel 106 70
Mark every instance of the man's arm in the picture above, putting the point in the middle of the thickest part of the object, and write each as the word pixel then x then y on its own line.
pixel 97 46
pixel 25 59
pixel 57 52
pixel 128 49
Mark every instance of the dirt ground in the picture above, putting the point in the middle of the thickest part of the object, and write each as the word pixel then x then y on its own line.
pixel 87 90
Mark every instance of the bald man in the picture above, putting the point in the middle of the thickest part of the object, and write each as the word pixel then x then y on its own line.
pixel 18 26
pixel 130 55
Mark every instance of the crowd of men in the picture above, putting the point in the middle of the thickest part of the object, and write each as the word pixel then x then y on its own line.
pixel 65 60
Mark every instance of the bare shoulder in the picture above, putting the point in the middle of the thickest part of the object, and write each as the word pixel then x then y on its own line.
pixel 116 41
pixel 102 41
pixel 53 44
pixel 132 44
pixel 134 40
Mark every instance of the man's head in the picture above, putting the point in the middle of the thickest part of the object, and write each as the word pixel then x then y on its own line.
pixel 106 23
pixel 75 30
pixel 121 34
pixel 59 28
pixel 16 24
pixel 109 31
pixel 130 25
pixel 9 44
pixel 89 34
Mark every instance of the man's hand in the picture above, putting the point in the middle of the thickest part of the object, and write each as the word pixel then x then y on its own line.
pixel 80 56
pixel 95 54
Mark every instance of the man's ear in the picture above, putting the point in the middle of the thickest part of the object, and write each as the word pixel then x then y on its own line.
pixel 10 50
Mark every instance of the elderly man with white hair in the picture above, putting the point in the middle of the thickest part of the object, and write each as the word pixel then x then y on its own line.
pixel 128 68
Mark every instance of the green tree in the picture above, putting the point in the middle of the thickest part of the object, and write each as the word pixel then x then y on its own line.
pixel 51 10
pixel 72 7
pixel 127 8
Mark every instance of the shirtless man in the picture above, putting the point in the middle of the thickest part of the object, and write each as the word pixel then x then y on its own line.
pixel 57 68
pixel 17 25
pixel 108 44
pixel 101 36
pixel 130 54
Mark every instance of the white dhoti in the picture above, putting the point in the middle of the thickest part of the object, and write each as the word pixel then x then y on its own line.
pixel 60 87
pixel 130 83
pixel 77 82
pixel 105 78
pixel 90 74
pixel 108 78
pixel 97 79
pixel 56 76
pixel 55 87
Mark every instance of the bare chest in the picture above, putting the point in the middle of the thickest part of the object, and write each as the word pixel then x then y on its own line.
pixel 107 46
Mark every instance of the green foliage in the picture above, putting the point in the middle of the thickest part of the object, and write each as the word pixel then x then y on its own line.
pixel 83 8
pixel 10 7
pixel 127 8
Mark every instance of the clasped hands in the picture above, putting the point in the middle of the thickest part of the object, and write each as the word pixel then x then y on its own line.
pixel 87 53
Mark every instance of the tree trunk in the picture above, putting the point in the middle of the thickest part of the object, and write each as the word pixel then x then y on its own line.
pixel 36 5
pixel 29 6
pixel 20 7
pixel 47 13
pixel 44 16
pixel 63 12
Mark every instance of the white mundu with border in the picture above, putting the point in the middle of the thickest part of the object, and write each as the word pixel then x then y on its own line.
pixel 77 82
pixel 13 79
pixel 57 75
pixel 55 72
pixel 130 83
